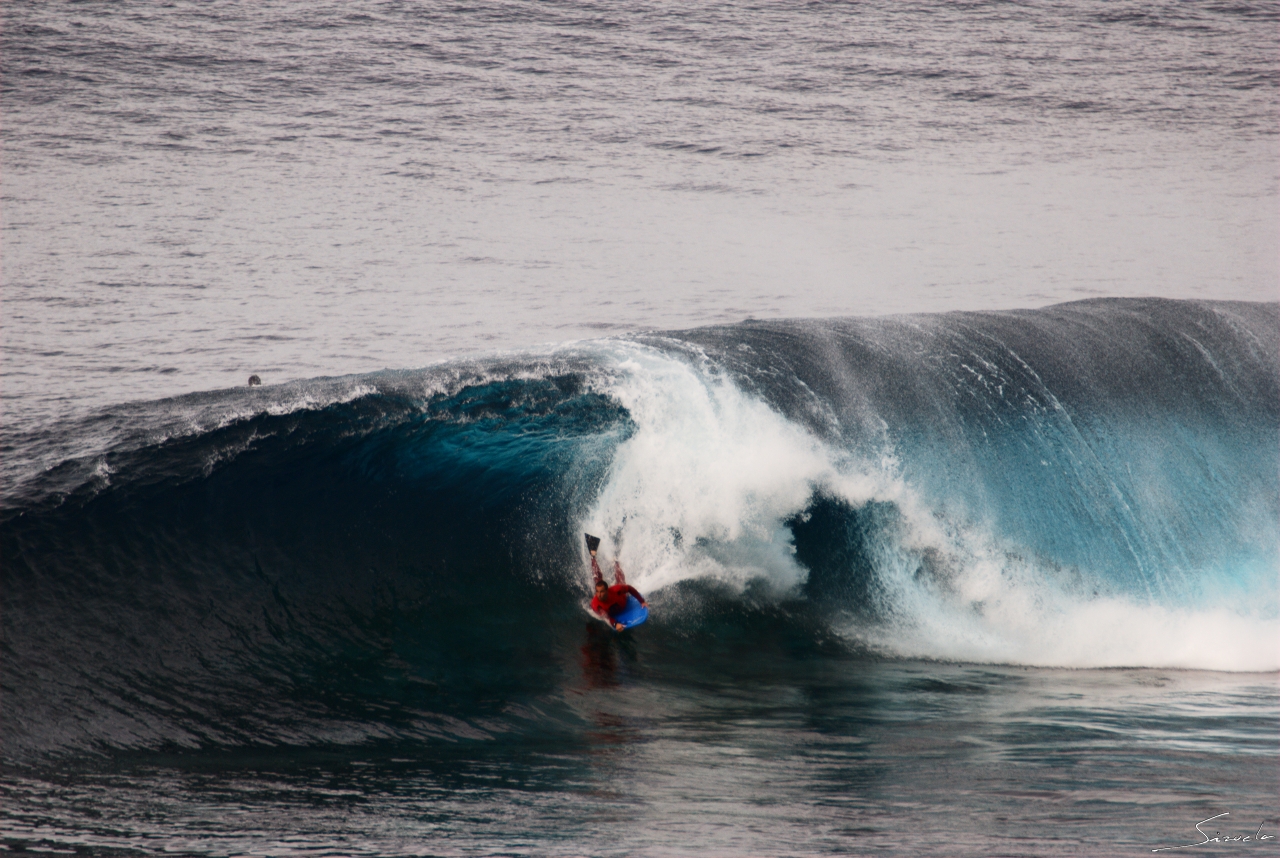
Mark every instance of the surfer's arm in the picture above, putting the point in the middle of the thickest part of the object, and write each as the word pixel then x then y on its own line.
pixel 603 611
pixel 633 591
pixel 604 615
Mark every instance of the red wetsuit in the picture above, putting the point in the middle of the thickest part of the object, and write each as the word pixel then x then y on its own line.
pixel 614 601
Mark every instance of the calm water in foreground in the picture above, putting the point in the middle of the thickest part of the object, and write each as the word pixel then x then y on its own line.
pixel 780 758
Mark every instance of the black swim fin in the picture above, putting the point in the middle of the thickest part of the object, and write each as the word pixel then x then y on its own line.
pixel 593 542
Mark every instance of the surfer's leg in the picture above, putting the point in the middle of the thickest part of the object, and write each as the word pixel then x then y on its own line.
pixel 596 575
pixel 617 573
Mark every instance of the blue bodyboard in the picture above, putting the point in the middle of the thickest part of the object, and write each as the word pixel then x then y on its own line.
pixel 633 614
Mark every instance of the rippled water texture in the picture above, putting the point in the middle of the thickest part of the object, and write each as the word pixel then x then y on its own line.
pixel 854 758
pixel 194 192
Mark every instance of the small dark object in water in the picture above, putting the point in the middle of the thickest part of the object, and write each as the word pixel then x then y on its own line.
pixel 254 380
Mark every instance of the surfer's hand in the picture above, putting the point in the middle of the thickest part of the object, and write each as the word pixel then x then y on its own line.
pixel 620 627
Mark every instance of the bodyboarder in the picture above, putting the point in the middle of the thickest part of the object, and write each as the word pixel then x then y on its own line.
pixel 610 601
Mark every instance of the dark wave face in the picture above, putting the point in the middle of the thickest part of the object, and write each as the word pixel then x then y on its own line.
pixel 399 555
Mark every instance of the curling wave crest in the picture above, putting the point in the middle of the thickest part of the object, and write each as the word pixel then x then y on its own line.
pixel 1088 485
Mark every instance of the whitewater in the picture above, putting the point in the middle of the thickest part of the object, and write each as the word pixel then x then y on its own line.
pixel 920 363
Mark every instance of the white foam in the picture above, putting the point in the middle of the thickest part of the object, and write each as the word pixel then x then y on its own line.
pixel 996 614
pixel 703 486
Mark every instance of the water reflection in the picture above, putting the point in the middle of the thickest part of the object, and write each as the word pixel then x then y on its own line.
pixel 599 657
pixel 607 656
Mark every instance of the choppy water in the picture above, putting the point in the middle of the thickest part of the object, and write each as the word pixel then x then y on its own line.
pixel 763 759
pixel 993 582
pixel 194 192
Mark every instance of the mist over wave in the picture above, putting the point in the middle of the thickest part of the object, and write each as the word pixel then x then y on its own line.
pixel 399 554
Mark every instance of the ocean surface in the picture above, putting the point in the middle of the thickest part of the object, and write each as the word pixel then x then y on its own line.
pixel 919 362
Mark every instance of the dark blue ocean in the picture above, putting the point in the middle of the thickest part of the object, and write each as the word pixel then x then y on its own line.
pixel 920 363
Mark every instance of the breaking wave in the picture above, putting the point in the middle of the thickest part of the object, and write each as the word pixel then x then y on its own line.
pixel 1093 484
